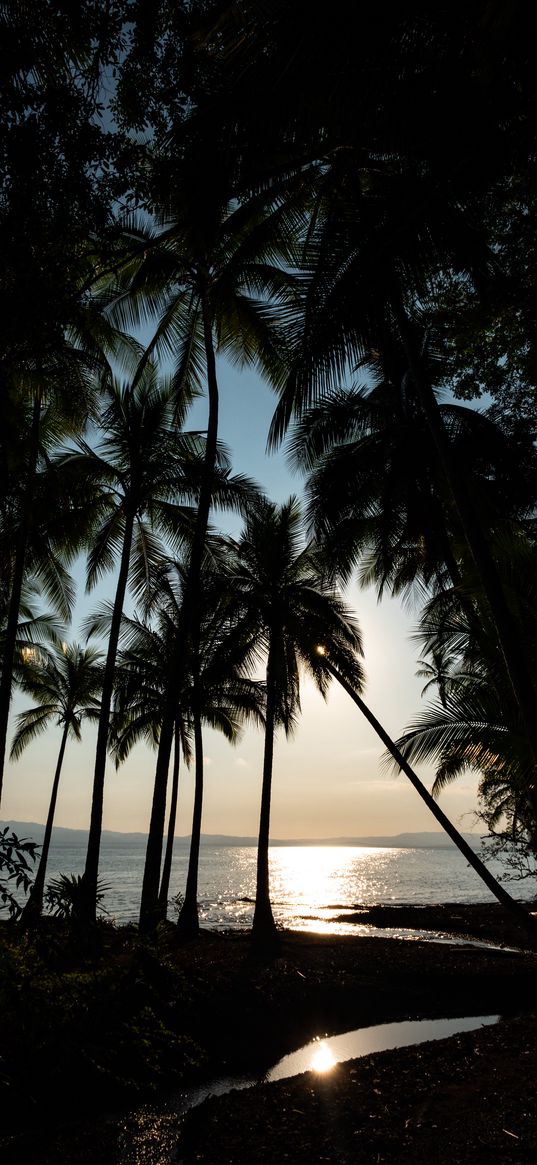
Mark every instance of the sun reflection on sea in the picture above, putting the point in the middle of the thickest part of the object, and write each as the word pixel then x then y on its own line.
pixel 317 883
pixel 308 873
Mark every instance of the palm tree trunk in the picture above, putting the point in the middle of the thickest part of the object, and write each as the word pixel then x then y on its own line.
pixel 167 866
pixel 150 885
pixel 34 905
pixel 263 927
pixel 188 922
pixel 149 904
pixel 91 871
pixel 16 586
pixel 509 637
pixel 519 913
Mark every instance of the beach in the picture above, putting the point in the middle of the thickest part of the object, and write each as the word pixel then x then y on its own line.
pixel 459 1099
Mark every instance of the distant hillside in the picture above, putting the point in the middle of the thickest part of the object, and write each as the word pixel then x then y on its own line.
pixel 68 837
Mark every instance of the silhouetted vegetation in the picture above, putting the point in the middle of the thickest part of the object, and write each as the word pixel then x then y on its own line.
pixel 17 856
pixel 87 1035
pixel 346 203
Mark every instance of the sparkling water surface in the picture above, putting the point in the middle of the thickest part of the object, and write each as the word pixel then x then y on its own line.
pixel 311 886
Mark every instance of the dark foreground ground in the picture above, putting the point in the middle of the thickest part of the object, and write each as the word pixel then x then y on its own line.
pixel 471 1098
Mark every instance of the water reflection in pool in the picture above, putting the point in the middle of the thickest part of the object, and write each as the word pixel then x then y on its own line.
pixel 321 1055
pixel 322 1059
pixel 150 1132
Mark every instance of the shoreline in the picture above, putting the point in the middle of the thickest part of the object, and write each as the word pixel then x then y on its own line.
pixel 246 1012
pixel 487 922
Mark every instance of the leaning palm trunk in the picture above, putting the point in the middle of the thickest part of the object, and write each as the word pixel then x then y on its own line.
pixel 188 922
pixel 34 905
pixel 515 908
pixel 91 871
pixel 509 637
pixel 167 864
pixel 10 637
pixel 263 926
pixel 149 912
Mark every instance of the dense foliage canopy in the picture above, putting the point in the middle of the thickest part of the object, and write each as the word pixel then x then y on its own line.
pixel 326 197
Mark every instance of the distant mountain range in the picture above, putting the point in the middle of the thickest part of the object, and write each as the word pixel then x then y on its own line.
pixel 67 837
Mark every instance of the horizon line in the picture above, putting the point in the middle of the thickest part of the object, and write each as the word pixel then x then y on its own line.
pixel 347 839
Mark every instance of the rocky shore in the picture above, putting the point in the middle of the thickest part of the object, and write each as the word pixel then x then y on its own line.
pixel 465 1099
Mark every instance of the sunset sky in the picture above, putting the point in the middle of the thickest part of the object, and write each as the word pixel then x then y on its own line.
pixel 328 780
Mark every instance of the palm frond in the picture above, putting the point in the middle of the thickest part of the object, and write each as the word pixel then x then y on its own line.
pixel 29 725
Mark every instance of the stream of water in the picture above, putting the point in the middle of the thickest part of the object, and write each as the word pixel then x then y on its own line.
pixel 150 1134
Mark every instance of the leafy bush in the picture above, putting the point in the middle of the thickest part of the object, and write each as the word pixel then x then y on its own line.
pixel 80 1033
pixel 17 856
pixel 64 895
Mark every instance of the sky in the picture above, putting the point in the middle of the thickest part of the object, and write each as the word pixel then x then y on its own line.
pixel 329 779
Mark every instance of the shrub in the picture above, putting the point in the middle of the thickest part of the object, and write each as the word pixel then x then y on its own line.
pixel 64 895
pixel 17 856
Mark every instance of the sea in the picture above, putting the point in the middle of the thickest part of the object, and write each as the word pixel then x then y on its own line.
pixel 313 888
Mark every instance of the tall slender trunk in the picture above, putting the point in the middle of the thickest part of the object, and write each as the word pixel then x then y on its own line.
pixel 91 871
pixel 188 922
pixel 189 614
pixel 508 633
pixel 515 908
pixel 263 926
pixel 34 905
pixel 21 543
pixel 167 865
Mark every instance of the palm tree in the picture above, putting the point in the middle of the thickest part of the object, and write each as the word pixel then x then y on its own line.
pixel 53 400
pixel 392 218
pixel 216 694
pixel 474 728
pixel 36 631
pixel 381 234
pixel 288 610
pixel 376 496
pixel 478 725
pixel 437 673
pixel 134 477
pixel 65 683
pixel 213 269
pixel 515 908
pixel 140 686
pixel 220 696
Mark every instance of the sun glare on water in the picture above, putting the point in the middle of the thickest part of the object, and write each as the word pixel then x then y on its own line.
pixel 311 879
pixel 308 875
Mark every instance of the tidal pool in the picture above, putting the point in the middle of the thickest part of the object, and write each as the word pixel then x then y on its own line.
pixel 320 1055
pixel 149 1134
pixel 323 1053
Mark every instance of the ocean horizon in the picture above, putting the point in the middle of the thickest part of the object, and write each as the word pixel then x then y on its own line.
pixel 426 839
pixel 316 885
